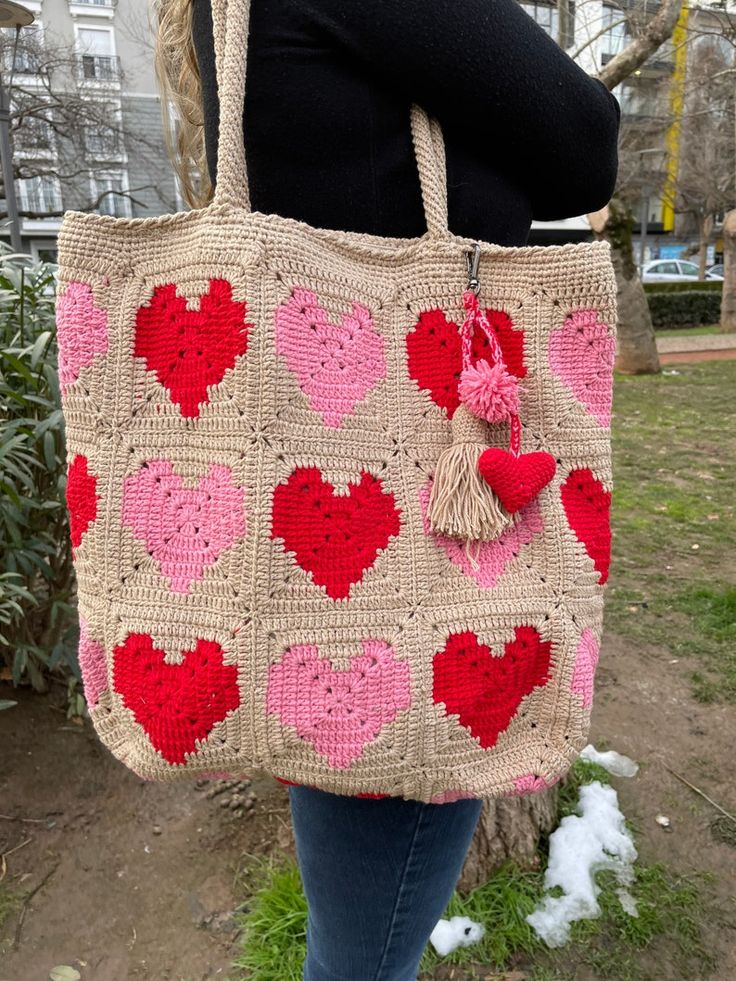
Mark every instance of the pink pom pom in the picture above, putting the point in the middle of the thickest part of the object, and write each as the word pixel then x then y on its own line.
pixel 489 391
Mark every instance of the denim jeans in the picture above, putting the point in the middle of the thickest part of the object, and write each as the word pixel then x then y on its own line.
pixel 377 875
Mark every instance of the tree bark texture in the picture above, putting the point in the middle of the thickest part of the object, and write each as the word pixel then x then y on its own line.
pixel 636 352
pixel 728 303
pixel 508 828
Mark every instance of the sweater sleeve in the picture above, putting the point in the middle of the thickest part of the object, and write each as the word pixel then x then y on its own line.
pixel 497 83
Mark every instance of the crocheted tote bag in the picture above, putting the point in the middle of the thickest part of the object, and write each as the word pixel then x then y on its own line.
pixel 339 503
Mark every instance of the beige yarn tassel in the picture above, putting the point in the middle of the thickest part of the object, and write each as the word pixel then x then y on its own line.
pixel 461 502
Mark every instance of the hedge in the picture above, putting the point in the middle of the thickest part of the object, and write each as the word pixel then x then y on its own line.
pixel 684 308
pixel 690 285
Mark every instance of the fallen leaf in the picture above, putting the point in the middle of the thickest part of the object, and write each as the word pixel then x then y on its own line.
pixel 64 973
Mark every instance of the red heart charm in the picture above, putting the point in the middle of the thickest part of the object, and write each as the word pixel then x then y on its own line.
pixel 588 508
pixel 190 350
pixel 435 359
pixel 176 704
pixel 516 480
pixel 334 537
pixel 81 498
pixel 486 691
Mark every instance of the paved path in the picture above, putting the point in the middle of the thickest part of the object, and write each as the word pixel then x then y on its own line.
pixel 698 347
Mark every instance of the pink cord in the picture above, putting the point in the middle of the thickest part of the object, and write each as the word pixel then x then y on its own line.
pixel 477 316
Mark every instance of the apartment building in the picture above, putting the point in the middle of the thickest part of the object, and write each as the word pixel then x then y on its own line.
pixel 120 166
pixel 100 51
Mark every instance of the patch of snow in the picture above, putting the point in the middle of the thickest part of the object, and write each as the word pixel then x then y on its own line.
pixel 628 903
pixel 584 844
pixel 620 766
pixel 460 931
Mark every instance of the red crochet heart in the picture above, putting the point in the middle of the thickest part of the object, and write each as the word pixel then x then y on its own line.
pixel 434 353
pixel 486 691
pixel 176 704
pixel 516 480
pixel 81 498
pixel 190 350
pixel 334 537
pixel 588 508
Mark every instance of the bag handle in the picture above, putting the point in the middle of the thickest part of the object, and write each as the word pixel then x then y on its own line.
pixel 230 19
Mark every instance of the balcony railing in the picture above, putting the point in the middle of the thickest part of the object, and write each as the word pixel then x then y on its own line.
pixel 101 68
pixel 96 3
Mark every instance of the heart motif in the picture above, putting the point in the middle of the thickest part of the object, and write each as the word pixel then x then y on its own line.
pixel 516 480
pixel 177 705
pixel 91 657
pixel 587 505
pixel 185 528
pixel 339 712
pixel 334 537
pixel 581 354
pixel 81 498
pixel 530 783
pixel 190 350
pixel 485 691
pixel 434 353
pixel 490 559
pixel 336 365
pixel 81 332
pixel 586 661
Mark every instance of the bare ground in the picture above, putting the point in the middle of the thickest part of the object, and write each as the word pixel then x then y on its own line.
pixel 135 880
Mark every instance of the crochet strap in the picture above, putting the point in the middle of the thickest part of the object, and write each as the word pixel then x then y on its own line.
pixel 230 27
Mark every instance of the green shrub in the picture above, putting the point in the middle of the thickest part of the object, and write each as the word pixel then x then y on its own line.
pixel 684 308
pixel 709 285
pixel 38 622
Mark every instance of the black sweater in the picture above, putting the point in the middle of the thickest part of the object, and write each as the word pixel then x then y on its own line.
pixel 329 84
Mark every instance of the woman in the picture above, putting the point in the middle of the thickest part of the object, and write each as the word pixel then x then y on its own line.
pixel 529 136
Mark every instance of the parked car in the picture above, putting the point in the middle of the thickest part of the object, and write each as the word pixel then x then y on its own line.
pixel 717 270
pixel 673 271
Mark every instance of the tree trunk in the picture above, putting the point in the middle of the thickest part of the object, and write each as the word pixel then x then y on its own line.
pixel 509 828
pixel 705 227
pixel 728 303
pixel 637 349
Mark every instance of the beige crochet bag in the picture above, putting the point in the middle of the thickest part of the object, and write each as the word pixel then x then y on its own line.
pixel 338 503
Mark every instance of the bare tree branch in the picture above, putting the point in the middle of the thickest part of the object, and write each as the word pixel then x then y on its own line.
pixel 653 36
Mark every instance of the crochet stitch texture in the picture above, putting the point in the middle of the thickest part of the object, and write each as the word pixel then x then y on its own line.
pixel 254 411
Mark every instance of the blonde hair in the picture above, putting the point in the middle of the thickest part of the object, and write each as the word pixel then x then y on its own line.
pixel 181 88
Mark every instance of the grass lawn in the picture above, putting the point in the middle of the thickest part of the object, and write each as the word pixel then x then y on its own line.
pixel 673 582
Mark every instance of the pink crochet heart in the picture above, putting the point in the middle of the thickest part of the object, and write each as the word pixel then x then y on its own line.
pixel 581 354
pixel 185 528
pixel 530 783
pixel 81 332
pixel 336 365
pixel 491 559
pixel 339 712
pixel 91 657
pixel 586 661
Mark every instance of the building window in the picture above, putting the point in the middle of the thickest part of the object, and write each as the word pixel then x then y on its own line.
pixel 547 15
pixel 33 133
pixel 615 34
pixel 25 57
pixel 98 59
pixel 102 142
pixel 110 191
pixel 40 194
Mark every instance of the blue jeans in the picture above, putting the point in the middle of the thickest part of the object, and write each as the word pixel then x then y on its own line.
pixel 377 875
